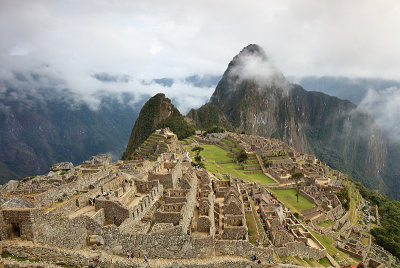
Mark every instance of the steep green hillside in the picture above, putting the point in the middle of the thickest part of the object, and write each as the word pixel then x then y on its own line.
pixel 388 233
pixel 208 116
pixel 157 112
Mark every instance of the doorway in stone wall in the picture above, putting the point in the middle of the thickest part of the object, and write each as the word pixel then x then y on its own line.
pixel 15 230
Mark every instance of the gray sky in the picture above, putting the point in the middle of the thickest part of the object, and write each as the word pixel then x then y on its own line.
pixel 72 40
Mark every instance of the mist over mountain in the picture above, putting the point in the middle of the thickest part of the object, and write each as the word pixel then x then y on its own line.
pixel 43 125
pixel 378 97
pixel 259 100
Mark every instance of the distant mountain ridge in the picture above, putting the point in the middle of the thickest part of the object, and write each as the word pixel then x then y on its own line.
pixel 40 128
pixel 313 122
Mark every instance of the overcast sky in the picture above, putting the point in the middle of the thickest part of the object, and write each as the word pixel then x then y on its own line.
pixel 152 39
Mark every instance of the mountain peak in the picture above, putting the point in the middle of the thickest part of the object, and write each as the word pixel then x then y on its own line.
pixel 255 50
pixel 158 112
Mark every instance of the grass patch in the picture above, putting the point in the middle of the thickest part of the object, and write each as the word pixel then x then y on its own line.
pixel 213 154
pixel 288 197
pixel 6 255
pixel 301 261
pixel 327 223
pixel 252 229
pixel 325 262
pixel 309 262
pixel 327 242
pixel 230 142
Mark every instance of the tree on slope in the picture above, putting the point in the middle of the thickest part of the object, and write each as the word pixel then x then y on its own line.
pixel 297 177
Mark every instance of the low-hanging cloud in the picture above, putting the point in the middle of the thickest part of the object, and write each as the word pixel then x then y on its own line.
pixel 384 106
pixel 111 78
pixel 254 65
pixel 42 86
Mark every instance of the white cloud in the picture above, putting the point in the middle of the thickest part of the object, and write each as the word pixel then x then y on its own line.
pixel 255 66
pixel 384 107
pixel 177 38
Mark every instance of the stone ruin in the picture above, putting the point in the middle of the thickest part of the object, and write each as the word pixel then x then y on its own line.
pixel 159 209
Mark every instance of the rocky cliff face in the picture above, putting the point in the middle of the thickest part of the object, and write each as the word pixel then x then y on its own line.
pixel 256 98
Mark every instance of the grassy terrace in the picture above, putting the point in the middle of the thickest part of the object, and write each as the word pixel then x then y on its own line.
pixel 355 198
pixel 288 197
pixel 252 229
pixel 326 223
pixel 325 262
pixel 213 154
pixel 305 262
pixel 230 142
pixel 327 242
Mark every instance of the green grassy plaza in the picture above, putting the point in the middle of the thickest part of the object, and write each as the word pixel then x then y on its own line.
pixel 213 154
pixel 288 197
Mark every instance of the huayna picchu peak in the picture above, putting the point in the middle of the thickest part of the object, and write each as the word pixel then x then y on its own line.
pixel 157 112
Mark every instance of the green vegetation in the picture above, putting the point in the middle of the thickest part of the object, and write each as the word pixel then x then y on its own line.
pixel 148 117
pixel 267 163
pixel 63 173
pixel 297 177
pixel 325 262
pixel 288 197
pixel 327 242
pixel 231 143
pixel 178 125
pixel 155 114
pixel 327 223
pixel 241 156
pixel 344 198
pixel 197 149
pixel 215 129
pixel 6 255
pixel 209 116
pixel 252 229
pixel 388 234
pixel 213 154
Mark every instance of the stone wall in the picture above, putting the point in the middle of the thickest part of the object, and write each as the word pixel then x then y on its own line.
pixel 54 195
pixel 168 217
pixel 189 208
pixel 204 224
pixel 57 230
pixel 54 255
pixel 301 250
pixel 20 221
pixel 168 180
pixel 234 232
pixel 241 248
pixel 96 259
pixel 307 196
pixel 114 212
